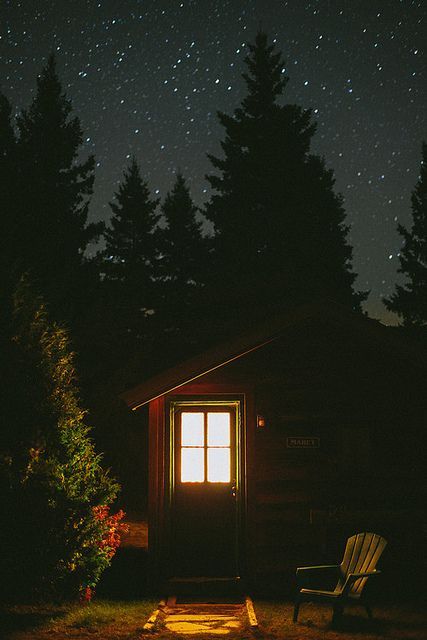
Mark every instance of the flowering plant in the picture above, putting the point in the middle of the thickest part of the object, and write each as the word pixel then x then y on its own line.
pixel 105 540
pixel 110 541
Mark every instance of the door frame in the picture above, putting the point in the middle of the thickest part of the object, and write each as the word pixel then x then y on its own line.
pixel 237 402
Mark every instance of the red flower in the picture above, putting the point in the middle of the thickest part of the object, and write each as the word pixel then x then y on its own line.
pixel 86 594
pixel 114 528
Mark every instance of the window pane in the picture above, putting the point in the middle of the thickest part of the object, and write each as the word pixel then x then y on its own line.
pixel 218 465
pixel 218 429
pixel 192 430
pixel 192 465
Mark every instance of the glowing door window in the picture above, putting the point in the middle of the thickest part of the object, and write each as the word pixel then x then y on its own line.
pixel 192 447
pixel 218 429
pixel 193 430
pixel 206 447
pixel 192 465
pixel 218 457
pixel 218 464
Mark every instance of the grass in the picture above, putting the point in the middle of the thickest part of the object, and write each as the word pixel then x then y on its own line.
pixel 101 618
pixel 124 620
pixel 406 622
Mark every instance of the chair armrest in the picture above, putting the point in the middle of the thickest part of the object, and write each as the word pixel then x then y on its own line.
pixel 352 577
pixel 318 567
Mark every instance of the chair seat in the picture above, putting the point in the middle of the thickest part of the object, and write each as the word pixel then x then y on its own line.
pixel 320 593
pixel 361 555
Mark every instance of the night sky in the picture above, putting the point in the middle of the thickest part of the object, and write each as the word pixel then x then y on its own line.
pixel 146 77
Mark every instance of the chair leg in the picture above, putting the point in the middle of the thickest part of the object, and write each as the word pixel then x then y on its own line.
pixel 338 611
pixel 368 611
pixel 296 610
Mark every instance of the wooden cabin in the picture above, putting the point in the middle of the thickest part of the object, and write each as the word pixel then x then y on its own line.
pixel 267 451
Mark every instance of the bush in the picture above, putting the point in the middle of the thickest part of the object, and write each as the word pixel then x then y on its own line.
pixel 58 536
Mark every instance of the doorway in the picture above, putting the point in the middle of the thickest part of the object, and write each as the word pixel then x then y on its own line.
pixel 206 488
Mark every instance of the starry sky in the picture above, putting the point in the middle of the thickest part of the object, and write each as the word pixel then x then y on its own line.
pixel 146 78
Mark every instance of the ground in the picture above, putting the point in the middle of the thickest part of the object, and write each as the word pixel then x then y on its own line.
pixel 111 620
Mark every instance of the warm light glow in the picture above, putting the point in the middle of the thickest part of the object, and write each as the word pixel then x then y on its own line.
pixel 219 464
pixel 192 464
pixel 218 429
pixel 192 430
pixel 206 446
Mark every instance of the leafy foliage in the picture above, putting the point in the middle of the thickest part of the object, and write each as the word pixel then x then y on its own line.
pixel 53 480
pixel 409 301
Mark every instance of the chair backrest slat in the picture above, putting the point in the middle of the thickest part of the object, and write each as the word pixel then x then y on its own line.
pixel 361 555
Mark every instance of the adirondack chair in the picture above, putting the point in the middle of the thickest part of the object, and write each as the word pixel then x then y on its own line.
pixel 361 555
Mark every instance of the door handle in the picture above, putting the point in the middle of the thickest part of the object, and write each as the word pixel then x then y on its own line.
pixel 234 490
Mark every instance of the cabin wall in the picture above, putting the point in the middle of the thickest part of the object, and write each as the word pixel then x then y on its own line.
pixel 363 421
pixel 367 422
pixel 156 490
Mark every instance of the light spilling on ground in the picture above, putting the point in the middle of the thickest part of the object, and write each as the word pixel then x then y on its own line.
pixel 212 624
pixel 205 619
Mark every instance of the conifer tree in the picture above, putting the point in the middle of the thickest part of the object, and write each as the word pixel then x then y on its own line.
pixel 54 489
pixel 182 246
pixel 130 254
pixel 55 191
pixel 181 271
pixel 279 227
pixel 409 301
pixel 9 236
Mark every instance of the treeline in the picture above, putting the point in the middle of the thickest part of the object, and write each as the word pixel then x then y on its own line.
pixel 161 287
pixel 159 290
pixel 279 228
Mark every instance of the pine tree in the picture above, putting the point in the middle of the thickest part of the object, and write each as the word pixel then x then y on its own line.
pixel 182 247
pixel 7 157
pixel 55 191
pixel 9 236
pixel 410 300
pixel 130 254
pixel 280 235
pixel 180 272
pixel 54 489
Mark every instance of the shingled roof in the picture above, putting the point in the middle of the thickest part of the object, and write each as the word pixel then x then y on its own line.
pixel 262 334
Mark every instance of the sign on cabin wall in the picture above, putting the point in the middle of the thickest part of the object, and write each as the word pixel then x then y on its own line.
pixel 302 442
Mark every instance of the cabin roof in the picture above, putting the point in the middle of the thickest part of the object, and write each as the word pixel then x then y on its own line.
pixel 264 333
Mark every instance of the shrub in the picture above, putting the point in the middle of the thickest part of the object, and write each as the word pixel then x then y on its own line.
pixel 59 535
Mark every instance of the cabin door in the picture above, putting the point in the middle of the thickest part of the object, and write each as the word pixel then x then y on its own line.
pixel 206 489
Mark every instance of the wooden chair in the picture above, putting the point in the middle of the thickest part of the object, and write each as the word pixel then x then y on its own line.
pixel 361 555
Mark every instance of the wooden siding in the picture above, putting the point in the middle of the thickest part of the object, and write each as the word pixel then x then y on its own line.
pixel 369 416
pixel 364 415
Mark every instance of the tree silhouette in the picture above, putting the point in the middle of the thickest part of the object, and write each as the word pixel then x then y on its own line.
pixel 409 301
pixel 280 235
pixel 183 254
pixel 9 232
pixel 54 197
pixel 130 255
